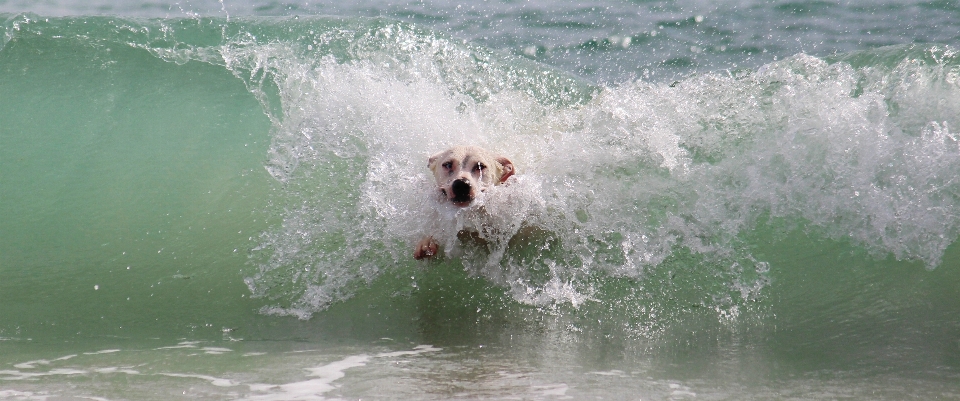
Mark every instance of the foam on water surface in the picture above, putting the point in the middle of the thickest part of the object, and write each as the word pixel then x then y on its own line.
pixel 287 372
pixel 761 232
pixel 618 178
pixel 319 379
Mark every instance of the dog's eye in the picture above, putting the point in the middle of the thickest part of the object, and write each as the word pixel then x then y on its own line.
pixel 480 167
pixel 448 165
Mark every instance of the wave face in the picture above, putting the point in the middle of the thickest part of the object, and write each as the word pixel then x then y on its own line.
pixel 622 180
pixel 207 161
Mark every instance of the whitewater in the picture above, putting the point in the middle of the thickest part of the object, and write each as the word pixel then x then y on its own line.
pixel 740 200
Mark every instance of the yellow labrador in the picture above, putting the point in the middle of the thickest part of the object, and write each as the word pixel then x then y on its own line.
pixel 462 172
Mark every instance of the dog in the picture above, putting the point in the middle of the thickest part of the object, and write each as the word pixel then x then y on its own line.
pixel 462 173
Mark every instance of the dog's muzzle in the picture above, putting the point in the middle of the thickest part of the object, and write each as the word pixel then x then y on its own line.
pixel 461 191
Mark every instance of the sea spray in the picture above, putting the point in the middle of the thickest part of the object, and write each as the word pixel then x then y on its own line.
pixel 618 181
pixel 731 234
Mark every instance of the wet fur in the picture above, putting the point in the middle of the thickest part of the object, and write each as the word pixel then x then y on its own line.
pixel 461 174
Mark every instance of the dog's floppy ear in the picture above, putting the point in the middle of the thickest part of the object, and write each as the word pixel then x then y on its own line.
pixel 432 161
pixel 507 170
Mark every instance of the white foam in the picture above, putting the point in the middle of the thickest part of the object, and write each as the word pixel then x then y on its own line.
pixel 182 345
pixel 41 368
pixel 215 350
pixel 614 372
pixel 106 351
pixel 319 379
pixel 553 390
pixel 23 395
pixel 216 381
pixel 18 375
pixel 33 364
pixel 420 349
pixel 314 389
pixel 622 181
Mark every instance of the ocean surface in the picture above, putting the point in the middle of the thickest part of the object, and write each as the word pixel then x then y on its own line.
pixel 715 200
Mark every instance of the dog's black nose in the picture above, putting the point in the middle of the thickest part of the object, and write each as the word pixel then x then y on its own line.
pixel 461 190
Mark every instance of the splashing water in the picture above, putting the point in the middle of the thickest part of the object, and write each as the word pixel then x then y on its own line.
pixel 615 180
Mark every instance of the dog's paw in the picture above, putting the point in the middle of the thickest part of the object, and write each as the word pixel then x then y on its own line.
pixel 426 248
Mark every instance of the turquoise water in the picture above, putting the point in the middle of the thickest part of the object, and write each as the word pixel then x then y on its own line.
pixel 734 201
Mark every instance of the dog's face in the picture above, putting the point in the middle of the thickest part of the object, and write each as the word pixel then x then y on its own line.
pixel 462 172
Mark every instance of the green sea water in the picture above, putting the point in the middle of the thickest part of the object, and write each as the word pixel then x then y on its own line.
pixel 225 209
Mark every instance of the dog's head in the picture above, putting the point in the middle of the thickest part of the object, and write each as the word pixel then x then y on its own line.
pixel 464 171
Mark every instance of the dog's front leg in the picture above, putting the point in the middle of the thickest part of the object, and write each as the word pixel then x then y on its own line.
pixel 426 248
